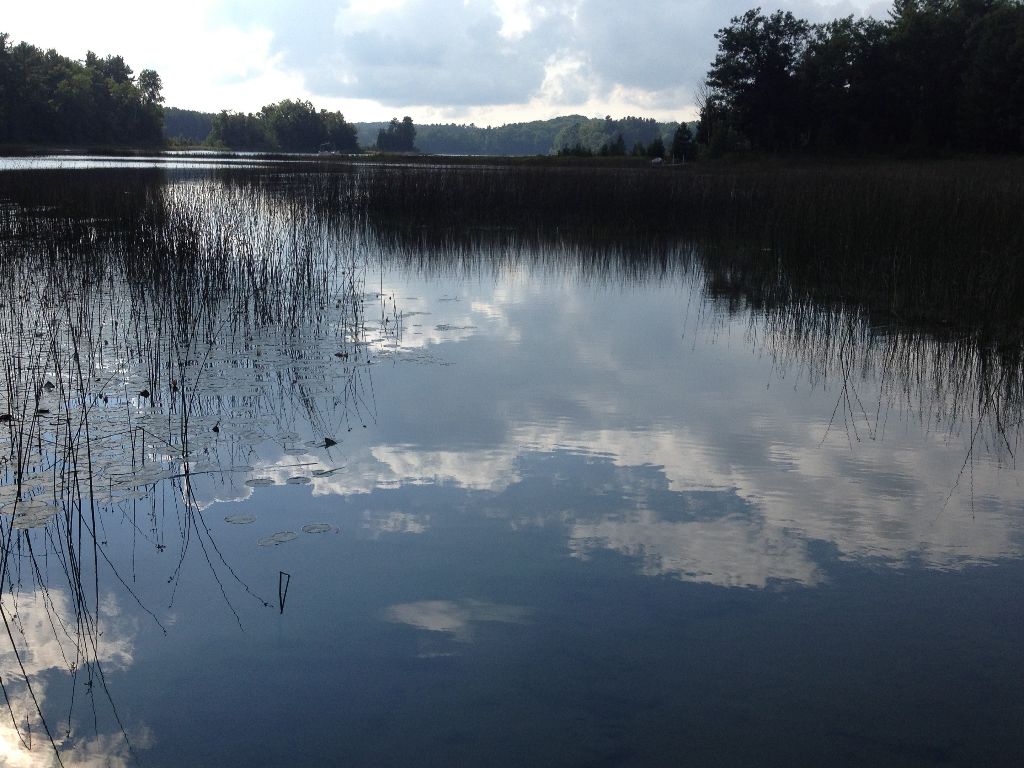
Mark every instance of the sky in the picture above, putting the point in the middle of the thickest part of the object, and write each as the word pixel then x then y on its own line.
pixel 487 62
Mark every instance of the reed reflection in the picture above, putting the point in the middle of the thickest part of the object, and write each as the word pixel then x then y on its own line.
pixel 179 339
pixel 907 455
pixel 163 342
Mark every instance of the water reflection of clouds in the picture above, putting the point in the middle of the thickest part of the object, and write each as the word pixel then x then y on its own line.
pixel 885 501
pixel 46 645
pixel 549 372
pixel 455 618
pixel 732 552
pixel 377 523
pixel 481 470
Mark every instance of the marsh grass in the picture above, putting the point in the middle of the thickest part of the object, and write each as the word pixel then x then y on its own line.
pixel 156 325
pixel 956 382
pixel 151 333
pixel 931 244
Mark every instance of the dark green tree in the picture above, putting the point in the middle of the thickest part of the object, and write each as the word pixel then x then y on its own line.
pixel 340 135
pixel 150 85
pixel 236 130
pixel 683 146
pixel 992 103
pixel 844 79
pixel 294 126
pixel 397 136
pixel 656 148
pixel 46 97
pixel 754 76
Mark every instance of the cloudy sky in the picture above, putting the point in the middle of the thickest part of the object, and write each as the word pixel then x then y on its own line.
pixel 482 61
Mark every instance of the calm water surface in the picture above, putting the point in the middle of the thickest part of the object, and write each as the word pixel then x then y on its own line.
pixel 572 517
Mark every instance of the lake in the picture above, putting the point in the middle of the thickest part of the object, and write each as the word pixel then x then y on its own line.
pixel 289 483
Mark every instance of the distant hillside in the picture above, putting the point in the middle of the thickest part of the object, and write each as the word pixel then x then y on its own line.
pixel 538 137
pixel 533 138
pixel 187 124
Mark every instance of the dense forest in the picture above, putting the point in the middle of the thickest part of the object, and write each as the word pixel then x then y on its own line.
pixel 289 126
pixel 46 97
pixel 937 75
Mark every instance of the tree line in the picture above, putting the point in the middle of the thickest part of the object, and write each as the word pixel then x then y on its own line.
pixel 634 136
pixel 288 126
pixel 936 75
pixel 46 97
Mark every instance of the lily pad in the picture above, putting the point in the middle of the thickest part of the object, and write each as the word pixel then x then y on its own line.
pixel 37 518
pixel 298 480
pixel 277 538
pixel 240 519
pixel 32 506
pixel 316 528
pixel 259 482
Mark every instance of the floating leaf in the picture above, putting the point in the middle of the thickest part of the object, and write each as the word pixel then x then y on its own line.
pixel 325 472
pixel 259 482
pixel 29 507
pixel 277 538
pixel 316 528
pixel 34 517
pixel 240 519
pixel 298 480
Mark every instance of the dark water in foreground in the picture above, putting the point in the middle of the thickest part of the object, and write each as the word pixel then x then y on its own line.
pixel 573 516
